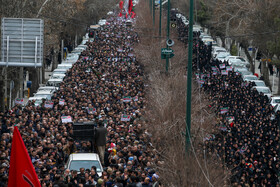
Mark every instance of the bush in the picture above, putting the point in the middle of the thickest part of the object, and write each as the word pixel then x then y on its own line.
pixel 233 50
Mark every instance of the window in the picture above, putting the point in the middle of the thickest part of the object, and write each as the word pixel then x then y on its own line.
pixel 87 164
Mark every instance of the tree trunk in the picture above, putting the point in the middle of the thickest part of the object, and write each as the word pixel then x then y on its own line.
pixel 278 91
pixel 252 66
pixel 2 97
pixel 34 77
pixel 266 75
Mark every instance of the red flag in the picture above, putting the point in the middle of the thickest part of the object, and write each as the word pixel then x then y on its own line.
pixel 133 14
pixel 130 5
pixel 21 172
pixel 121 5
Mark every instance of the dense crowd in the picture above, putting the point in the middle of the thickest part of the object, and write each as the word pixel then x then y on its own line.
pixel 108 79
pixel 248 131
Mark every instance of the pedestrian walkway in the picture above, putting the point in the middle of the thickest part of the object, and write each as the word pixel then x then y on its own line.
pixel 273 79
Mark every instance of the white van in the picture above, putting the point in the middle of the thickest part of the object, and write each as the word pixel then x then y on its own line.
pixel 84 160
pixel 64 66
pixel 59 71
pixel 54 82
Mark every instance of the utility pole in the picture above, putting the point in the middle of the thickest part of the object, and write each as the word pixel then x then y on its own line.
pixel 167 35
pixel 153 13
pixel 160 10
pixel 189 79
pixel 21 82
pixel 151 6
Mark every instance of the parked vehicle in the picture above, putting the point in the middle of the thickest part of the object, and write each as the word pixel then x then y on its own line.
pixel 244 72
pixel 71 58
pixel 275 100
pixel 51 89
pixel 54 82
pixel 259 83
pixel 250 77
pixel 64 66
pixel 37 100
pixel 102 22
pixel 57 76
pixel 237 60
pixel 221 56
pixel 44 95
pixel 84 160
pixel 265 90
pixel 216 50
pixel 59 71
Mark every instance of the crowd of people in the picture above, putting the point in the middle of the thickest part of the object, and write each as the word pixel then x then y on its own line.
pixel 248 129
pixel 105 86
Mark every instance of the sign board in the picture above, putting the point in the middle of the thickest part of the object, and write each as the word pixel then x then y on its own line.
pixel 66 119
pixel 48 104
pixel 61 102
pixel 166 53
pixel 19 101
pixel 22 42
pixel 125 117
pixel 173 25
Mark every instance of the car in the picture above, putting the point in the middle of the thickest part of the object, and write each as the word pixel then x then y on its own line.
pixel 178 15
pixel 197 28
pixel 128 23
pixel 244 72
pixel 259 83
pixel 84 160
pixel 216 50
pixel 44 95
pixel 221 56
pixel 238 63
pixel 102 22
pixel 235 58
pixel 84 41
pixel 37 100
pixel 59 71
pixel 52 89
pixel 71 58
pixel 265 90
pixel 77 50
pixel 110 13
pixel 275 100
pixel 206 38
pixel 54 82
pixel 64 66
pixel 250 77
pixel 238 60
pixel 57 76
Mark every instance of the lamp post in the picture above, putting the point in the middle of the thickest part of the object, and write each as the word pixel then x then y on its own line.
pixel 167 34
pixel 189 78
pixel 160 10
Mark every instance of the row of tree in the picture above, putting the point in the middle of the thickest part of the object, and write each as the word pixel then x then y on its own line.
pixel 249 22
pixel 63 20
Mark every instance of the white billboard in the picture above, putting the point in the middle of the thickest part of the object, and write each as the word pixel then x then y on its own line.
pixel 22 42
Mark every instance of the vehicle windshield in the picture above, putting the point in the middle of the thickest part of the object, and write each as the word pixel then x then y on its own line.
pixel 87 164
pixel 276 100
pixel 263 90
pixel 47 96
pixel 241 59
pixel 56 84
pixel 60 72
pixel 38 102
pixel 56 77
pixel 250 78
pixel 260 83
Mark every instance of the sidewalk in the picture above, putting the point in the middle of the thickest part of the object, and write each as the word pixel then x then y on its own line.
pixel 272 78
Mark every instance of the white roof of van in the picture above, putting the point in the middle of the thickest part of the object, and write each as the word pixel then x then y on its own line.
pixel 84 156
